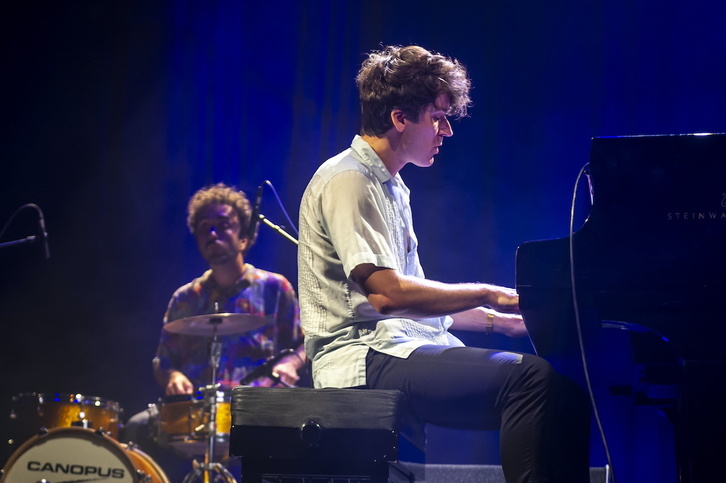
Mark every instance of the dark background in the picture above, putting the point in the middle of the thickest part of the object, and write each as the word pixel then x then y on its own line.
pixel 114 113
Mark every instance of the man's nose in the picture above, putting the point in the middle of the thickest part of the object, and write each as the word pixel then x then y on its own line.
pixel 445 128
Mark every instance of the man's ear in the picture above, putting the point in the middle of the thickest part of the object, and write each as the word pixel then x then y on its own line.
pixel 244 242
pixel 398 118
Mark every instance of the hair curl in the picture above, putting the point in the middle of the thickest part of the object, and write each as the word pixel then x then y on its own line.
pixel 408 78
pixel 221 194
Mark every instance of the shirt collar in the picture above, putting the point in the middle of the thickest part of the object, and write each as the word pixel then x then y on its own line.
pixel 369 157
pixel 242 283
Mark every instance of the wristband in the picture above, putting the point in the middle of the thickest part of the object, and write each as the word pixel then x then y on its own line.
pixel 489 325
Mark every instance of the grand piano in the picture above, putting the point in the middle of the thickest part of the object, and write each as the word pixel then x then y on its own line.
pixel 650 259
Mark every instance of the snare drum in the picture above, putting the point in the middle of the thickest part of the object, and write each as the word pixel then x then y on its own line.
pixel 184 423
pixel 33 411
pixel 77 454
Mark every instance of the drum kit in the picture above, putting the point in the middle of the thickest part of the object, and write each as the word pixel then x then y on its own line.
pixel 73 437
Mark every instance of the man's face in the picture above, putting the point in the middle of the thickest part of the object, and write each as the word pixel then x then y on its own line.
pixel 217 234
pixel 421 140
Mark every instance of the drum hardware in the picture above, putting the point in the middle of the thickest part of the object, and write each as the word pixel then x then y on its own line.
pixel 83 422
pixel 202 325
pixel 141 476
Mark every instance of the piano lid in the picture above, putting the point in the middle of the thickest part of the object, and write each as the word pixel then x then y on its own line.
pixel 659 210
pixel 658 217
pixel 653 248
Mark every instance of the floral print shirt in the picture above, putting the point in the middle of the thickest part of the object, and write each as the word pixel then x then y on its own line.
pixel 257 292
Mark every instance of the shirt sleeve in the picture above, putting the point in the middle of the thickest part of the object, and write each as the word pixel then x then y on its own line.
pixel 173 348
pixel 353 213
pixel 288 317
pixel 165 348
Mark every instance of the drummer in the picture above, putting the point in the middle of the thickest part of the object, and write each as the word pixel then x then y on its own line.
pixel 219 217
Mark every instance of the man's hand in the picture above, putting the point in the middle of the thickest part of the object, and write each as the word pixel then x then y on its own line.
pixel 505 299
pixel 477 319
pixel 285 371
pixel 511 325
pixel 178 384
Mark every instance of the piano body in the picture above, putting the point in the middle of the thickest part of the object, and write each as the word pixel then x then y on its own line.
pixel 651 257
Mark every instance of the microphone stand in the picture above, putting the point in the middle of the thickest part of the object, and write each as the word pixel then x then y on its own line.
pixel 28 239
pixel 277 228
pixel 43 236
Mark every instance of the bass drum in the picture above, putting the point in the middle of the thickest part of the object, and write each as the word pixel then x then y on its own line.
pixel 33 411
pixel 78 454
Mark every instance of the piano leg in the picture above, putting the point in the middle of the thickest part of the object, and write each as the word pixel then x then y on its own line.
pixel 701 428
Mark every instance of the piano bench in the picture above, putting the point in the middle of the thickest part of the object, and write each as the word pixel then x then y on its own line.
pixel 295 434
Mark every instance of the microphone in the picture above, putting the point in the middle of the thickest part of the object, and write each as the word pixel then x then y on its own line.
pixel 44 236
pixel 255 218
pixel 266 368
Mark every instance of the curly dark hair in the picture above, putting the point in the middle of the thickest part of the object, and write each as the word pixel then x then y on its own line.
pixel 408 78
pixel 221 194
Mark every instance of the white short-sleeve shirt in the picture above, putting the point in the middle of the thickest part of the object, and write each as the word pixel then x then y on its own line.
pixel 353 212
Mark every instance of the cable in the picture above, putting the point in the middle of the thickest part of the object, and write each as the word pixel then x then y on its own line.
pixel 12 217
pixel 579 326
pixel 279 202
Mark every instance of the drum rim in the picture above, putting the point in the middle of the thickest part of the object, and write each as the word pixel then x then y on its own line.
pixel 222 395
pixel 133 449
pixel 68 398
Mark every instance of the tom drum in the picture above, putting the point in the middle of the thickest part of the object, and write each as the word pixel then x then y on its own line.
pixel 33 411
pixel 184 423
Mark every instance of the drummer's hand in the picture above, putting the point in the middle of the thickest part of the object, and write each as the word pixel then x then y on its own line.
pixel 287 371
pixel 178 384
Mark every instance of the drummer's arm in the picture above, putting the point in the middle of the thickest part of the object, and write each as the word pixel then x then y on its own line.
pixel 172 381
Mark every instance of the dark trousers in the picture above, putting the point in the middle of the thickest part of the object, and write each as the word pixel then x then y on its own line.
pixel 543 418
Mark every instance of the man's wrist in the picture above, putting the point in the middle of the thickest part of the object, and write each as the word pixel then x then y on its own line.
pixel 489 323
pixel 491 295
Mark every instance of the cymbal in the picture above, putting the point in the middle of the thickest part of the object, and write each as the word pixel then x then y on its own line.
pixel 226 324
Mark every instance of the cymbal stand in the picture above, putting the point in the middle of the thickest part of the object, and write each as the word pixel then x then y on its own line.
pixel 205 471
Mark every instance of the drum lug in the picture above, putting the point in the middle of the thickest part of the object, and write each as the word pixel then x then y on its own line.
pixel 82 423
pixel 142 477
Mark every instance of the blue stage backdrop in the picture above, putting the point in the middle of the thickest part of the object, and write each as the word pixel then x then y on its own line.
pixel 114 113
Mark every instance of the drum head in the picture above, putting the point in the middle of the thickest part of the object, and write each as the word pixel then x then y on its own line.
pixel 70 454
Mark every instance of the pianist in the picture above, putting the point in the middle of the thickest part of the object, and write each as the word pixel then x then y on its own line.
pixel 372 320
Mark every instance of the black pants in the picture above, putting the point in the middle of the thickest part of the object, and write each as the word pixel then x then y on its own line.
pixel 543 418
